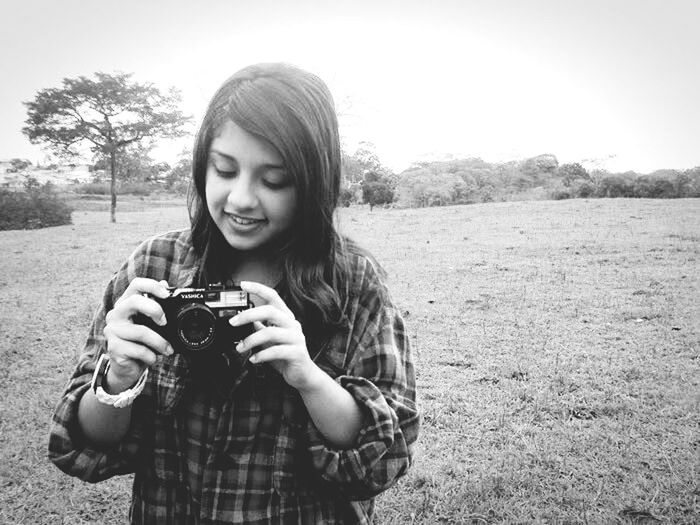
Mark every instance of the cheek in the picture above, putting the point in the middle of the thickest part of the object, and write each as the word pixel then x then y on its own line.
pixel 290 207
pixel 214 192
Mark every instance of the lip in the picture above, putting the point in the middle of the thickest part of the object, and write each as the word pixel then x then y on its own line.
pixel 242 223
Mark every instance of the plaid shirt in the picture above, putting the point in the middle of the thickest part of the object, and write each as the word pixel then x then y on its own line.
pixel 251 455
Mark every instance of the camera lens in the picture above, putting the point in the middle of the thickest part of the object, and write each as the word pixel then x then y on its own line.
pixel 195 326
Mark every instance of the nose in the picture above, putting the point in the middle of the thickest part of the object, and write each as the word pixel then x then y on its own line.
pixel 242 194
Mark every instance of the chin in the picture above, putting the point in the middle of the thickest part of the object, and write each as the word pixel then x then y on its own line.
pixel 242 244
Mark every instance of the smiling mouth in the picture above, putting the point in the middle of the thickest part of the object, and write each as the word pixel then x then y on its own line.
pixel 244 221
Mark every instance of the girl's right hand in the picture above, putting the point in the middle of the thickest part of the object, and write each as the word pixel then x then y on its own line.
pixel 133 347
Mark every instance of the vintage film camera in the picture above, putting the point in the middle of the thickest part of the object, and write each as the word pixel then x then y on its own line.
pixel 197 319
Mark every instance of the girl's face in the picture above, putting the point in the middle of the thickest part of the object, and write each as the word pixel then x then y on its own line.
pixel 250 196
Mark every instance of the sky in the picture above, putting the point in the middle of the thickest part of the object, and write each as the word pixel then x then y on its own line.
pixel 612 84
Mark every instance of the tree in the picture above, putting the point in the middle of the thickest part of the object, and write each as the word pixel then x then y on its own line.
pixel 107 112
pixel 347 196
pixel 425 187
pixel 573 172
pixel 18 165
pixel 363 161
pixel 179 177
pixel 535 171
pixel 654 187
pixel 134 164
pixel 376 190
pixel 367 158
pixel 615 186
pixel 351 169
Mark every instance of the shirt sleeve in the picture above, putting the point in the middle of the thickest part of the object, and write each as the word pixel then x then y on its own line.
pixel 379 374
pixel 67 447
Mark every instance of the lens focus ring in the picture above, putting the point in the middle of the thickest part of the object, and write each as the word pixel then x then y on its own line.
pixel 196 325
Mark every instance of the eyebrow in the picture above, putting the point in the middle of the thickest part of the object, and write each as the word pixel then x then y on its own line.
pixel 269 166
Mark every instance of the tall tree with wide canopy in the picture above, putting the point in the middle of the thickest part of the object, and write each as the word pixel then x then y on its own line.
pixel 108 113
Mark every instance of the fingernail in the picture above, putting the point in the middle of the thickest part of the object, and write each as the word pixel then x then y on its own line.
pixel 162 321
pixel 170 350
pixel 253 358
pixel 239 347
pixel 233 321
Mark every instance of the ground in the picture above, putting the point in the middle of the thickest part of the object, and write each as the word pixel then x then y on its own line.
pixel 557 349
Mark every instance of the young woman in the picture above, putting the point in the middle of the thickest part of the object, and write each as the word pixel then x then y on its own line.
pixel 309 417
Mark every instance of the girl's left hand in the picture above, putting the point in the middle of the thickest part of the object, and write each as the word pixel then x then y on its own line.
pixel 278 340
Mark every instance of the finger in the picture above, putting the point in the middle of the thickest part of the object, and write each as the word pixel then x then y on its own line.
pixel 273 353
pixel 136 304
pixel 267 294
pixel 139 334
pixel 266 314
pixel 124 354
pixel 265 337
pixel 144 285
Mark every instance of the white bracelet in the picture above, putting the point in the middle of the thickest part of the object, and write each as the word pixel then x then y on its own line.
pixel 122 399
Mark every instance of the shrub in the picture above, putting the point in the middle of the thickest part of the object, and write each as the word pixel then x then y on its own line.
pixel 347 197
pixel 559 195
pixel 614 186
pixel 487 193
pixel 422 187
pixel 93 188
pixel 570 173
pixel 178 178
pixel 376 189
pixel 103 188
pixel 135 188
pixel 179 187
pixel 376 193
pixel 654 188
pixel 35 207
pixel 585 190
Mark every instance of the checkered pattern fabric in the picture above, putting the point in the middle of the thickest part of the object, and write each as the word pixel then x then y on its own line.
pixel 249 453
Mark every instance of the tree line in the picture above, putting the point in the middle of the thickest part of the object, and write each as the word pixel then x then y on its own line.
pixel 472 180
pixel 118 120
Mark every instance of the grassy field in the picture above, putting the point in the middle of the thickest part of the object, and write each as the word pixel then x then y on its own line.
pixel 557 348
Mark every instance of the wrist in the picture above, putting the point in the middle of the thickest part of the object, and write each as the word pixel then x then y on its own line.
pixel 124 397
pixel 313 380
pixel 113 384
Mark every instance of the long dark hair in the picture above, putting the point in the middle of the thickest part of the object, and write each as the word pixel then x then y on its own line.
pixel 293 110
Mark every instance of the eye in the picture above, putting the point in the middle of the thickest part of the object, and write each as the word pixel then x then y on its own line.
pixel 276 179
pixel 223 169
pixel 225 173
pixel 275 184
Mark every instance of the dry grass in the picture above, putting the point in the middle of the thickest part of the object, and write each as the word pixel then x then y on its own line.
pixel 557 348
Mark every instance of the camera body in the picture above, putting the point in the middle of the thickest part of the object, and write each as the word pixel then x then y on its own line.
pixel 198 319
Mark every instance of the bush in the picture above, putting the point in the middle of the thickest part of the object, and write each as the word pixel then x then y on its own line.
pixel 179 187
pixel 559 195
pixel 614 186
pixel 347 197
pixel 585 190
pixel 35 207
pixel 135 188
pixel 123 188
pixel 376 189
pixel 421 188
pixel 377 193
pixel 93 188
pixel 654 188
